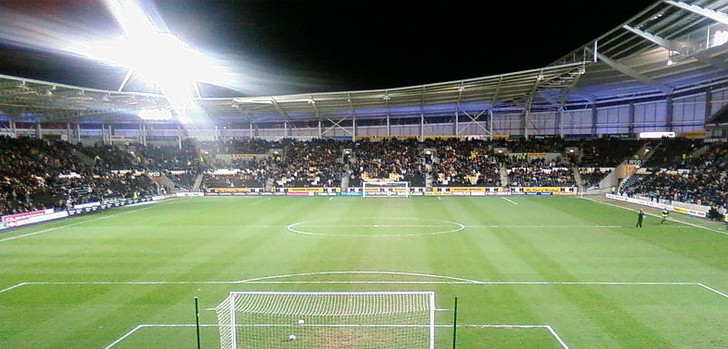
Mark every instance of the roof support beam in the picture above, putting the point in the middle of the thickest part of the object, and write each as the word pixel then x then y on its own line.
pixel 474 120
pixel 337 124
pixel 567 91
pixel 312 102
pixel 667 44
pixel 714 15
pixel 651 37
pixel 129 73
pixel 707 59
pixel 529 103
pixel 633 74
pixel 351 104
pixel 278 108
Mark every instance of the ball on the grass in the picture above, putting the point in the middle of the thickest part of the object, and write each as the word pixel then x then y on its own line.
pixel 301 322
pixel 292 337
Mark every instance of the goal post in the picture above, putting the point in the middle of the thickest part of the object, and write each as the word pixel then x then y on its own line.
pixel 386 189
pixel 377 320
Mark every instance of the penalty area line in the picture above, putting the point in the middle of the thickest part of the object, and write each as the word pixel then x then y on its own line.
pixel 556 335
pixel 724 295
pixel 13 287
pixel 127 334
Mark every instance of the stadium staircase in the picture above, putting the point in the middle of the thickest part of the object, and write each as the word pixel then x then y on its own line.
pixel 198 182
pixel 345 179
pixel 624 170
pixel 428 177
pixel 84 158
pixel 163 181
pixel 647 150
pixel 503 176
pixel 577 178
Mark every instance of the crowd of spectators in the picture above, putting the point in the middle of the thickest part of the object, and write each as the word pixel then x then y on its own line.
pixel 592 176
pixel 37 174
pixel 604 152
pixel 391 159
pixel 538 176
pixel 699 179
pixel 314 163
pixel 670 151
pixel 466 163
pixel 181 164
pixel 237 178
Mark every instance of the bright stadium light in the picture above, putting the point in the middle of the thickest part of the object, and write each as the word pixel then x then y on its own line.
pixel 720 37
pixel 162 60
pixel 158 57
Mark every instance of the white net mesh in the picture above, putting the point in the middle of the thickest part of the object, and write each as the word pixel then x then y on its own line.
pixel 327 320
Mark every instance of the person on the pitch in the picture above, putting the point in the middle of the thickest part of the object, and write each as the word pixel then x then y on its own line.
pixel 640 217
pixel 664 215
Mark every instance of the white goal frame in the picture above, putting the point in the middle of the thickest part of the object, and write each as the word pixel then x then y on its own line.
pixel 399 189
pixel 227 312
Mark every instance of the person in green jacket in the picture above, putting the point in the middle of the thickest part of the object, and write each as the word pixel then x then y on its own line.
pixel 640 217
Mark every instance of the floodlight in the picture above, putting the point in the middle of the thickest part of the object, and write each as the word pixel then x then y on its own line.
pixel 158 57
pixel 720 37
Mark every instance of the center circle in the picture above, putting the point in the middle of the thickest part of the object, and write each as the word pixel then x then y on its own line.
pixel 375 227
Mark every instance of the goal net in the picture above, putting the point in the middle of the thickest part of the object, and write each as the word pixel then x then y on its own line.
pixel 339 320
pixel 386 189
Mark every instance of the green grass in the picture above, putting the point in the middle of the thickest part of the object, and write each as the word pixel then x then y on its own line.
pixel 574 266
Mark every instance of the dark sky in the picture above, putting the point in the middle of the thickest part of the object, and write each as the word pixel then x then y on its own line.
pixel 319 46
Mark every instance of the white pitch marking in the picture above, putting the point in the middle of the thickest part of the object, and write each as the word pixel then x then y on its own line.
pixel 293 228
pixel 497 326
pixel 72 224
pixel 713 290
pixel 265 281
pixel 380 226
pixel 655 215
pixel 258 201
pixel 509 200
pixel 124 336
pixel 365 272
pixel 13 287
pixel 556 335
pixel 543 226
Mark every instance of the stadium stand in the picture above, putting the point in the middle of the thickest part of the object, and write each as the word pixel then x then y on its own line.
pixel 39 174
pixel 464 164
pixel 394 159
pixel 53 174
pixel 697 179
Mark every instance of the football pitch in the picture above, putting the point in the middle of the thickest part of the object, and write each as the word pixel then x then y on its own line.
pixel 532 272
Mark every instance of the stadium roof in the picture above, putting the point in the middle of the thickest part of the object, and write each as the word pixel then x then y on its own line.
pixel 670 48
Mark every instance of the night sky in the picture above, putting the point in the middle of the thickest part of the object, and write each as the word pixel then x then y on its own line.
pixel 319 46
